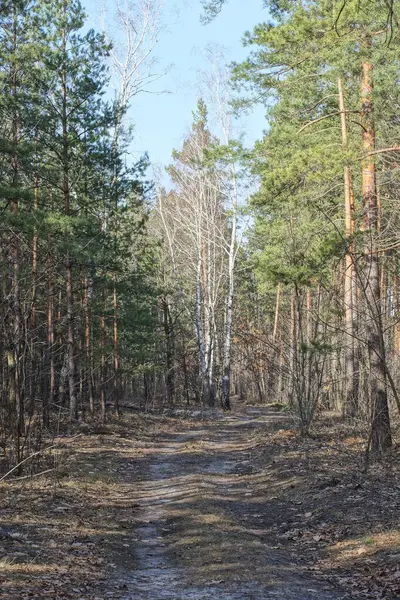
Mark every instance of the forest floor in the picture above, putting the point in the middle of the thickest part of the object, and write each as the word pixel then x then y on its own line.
pixel 203 507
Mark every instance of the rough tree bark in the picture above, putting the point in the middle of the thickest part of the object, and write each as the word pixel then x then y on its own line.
pixel 15 398
pixel 66 194
pixel 115 347
pixel 170 353
pixel 103 355
pixel 88 348
pixel 381 438
pixel 48 398
pixel 350 286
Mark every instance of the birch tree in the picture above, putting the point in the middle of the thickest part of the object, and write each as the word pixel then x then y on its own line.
pixel 193 221
pixel 217 89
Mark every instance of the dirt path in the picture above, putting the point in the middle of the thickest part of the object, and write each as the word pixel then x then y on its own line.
pixel 232 507
pixel 202 507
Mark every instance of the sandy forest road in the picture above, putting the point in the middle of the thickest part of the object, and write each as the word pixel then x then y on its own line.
pixel 200 530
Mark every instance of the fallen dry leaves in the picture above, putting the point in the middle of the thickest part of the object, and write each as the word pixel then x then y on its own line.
pixel 343 525
pixel 68 533
pixel 57 532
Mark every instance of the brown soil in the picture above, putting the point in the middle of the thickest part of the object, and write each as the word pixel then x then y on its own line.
pixel 232 507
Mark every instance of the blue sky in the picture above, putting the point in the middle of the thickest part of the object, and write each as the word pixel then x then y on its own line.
pixel 162 120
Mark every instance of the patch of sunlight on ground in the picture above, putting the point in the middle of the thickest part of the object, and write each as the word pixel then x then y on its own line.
pixel 10 566
pixel 366 545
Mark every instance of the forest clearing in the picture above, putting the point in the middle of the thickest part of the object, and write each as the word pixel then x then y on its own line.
pixel 199 299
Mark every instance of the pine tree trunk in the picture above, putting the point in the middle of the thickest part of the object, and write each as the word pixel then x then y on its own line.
pixel 292 382
pixel 68 261
pixel 115 347
pixel 71 343
pixel 274 354
pixel 277 308
pixel 396 306
pixel 49 396
pixel 168 332
pixel 103 357
pixel 381 438
pixel 88 352
pixel 16 398
pixel 33 315
pixel 351 368
pixel 309 322
pixel 34 254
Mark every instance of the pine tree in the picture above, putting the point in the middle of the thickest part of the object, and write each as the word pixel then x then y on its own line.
pixel 65 237
pixel 300 58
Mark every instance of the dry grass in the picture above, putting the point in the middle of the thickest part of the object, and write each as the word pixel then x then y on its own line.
pixel 65 534
pixel 57 530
